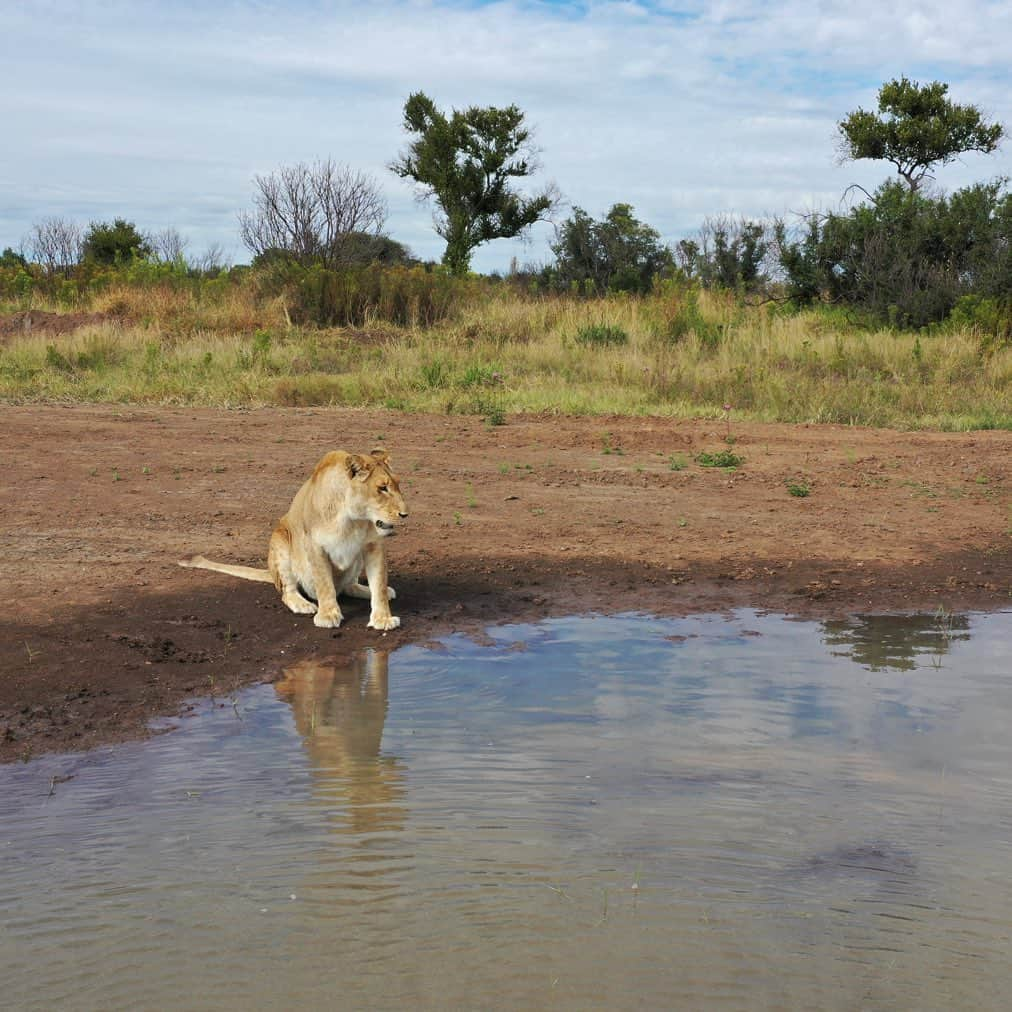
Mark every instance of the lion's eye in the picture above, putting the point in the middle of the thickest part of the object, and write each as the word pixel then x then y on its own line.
pixel 384 488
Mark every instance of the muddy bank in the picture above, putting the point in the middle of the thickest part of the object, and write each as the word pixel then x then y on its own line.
pixel 542 516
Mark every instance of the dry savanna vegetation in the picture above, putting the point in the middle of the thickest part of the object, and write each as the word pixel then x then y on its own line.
pixel 413 340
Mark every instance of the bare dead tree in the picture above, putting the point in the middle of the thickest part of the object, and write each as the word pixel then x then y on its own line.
pixel 310 211
pixel 56 243
pixel 212 260
pixel 168 245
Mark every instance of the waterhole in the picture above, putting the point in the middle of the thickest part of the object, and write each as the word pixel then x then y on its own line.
pixel 618 812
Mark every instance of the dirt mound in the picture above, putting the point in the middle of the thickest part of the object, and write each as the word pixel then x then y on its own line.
pixel 36 321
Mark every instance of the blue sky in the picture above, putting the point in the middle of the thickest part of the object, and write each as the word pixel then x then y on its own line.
pixel 163 113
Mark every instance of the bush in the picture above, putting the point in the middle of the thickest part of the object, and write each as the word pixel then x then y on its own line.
pixel 687 318
pixel 601 334
pixel 721 458
pixel 617 254
pixel 905 257
pixel 991 318
pixel 119 242
pixel 408 296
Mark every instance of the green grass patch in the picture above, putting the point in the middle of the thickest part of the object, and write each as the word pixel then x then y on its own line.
pixel 719 458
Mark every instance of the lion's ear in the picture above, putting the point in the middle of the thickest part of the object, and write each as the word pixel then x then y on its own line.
pixel 379 455
pixel 358 465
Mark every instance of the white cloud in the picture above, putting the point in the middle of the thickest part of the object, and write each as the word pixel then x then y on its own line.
pixel 164 113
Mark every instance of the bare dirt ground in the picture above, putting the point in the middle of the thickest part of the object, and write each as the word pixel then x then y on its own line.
pixel 101 630
pixel 37 321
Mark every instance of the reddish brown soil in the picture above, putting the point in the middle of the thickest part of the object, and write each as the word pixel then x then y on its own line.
pixel 35 321
pixel 101 630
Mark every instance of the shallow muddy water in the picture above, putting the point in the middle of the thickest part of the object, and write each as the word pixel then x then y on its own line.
pixel 590 812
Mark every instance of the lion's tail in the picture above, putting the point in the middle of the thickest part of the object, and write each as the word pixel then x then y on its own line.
pixel 243 572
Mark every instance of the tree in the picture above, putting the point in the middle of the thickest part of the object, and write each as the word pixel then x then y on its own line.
pixel 169 246
pixel 212 261
pixel 312 212
pixel 918 127
pixel 119 242
pixel 729 253
pixel 466 161
pixel 377 249
pixel 12 258
pixel 904 257
pixel 55 243
pixel 618 253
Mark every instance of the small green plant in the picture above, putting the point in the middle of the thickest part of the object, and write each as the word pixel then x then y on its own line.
pixel 601 334
pixel 145 470
pixel 677 462
pixel 57 360
pixel 494 415
pixel 472 502
pixel 799 488
pixel 434 373
pixel 504 469
pixel 721 458
pixel 481 376
pixel 607 447
pixel 258 354
pixel 682 522
pixel 457 518
pixel 728 438
pixel 115 475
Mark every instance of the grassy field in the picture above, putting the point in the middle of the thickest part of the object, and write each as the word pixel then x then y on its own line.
pixel 683 354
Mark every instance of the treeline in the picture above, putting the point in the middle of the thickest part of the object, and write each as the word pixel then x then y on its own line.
pixel 902 256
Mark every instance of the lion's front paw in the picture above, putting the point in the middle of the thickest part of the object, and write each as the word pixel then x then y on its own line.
pixel 298 604
pixel 383 624
pixel 328 618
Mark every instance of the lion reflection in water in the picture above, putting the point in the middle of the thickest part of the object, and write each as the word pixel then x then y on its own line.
pixel 339 711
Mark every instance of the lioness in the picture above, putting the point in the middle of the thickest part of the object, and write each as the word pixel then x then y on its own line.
pixel 336 527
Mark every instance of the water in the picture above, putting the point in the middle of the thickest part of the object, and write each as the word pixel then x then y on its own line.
pixel 590 812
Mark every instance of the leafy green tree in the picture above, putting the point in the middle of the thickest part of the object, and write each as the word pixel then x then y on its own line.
pixel 467 161
pixel 730 253
pixel 364 248
pixel 618 254
pixel 118 242
pixel 11 258
pixel 917 127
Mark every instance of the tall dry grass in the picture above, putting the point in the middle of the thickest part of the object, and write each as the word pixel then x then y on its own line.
pixel 680 354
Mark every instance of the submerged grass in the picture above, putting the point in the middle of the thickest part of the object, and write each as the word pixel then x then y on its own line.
pixel 681 354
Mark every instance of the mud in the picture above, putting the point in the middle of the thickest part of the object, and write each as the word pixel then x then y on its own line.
pixel 101 630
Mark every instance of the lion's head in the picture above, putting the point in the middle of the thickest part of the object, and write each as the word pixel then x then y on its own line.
pixel 376 491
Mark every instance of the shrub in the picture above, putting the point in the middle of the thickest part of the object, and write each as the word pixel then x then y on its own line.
pixel 722 458
pixel 119 242
pixel 409 296
pixel 601 334
pixel 905 257
pixel 688 319
pixel 991 318
pixel 617 254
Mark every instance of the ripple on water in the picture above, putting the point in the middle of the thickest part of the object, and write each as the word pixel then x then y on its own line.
pixel 584 812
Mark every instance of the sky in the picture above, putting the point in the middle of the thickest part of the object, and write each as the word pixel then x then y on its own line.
pixel 164 113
